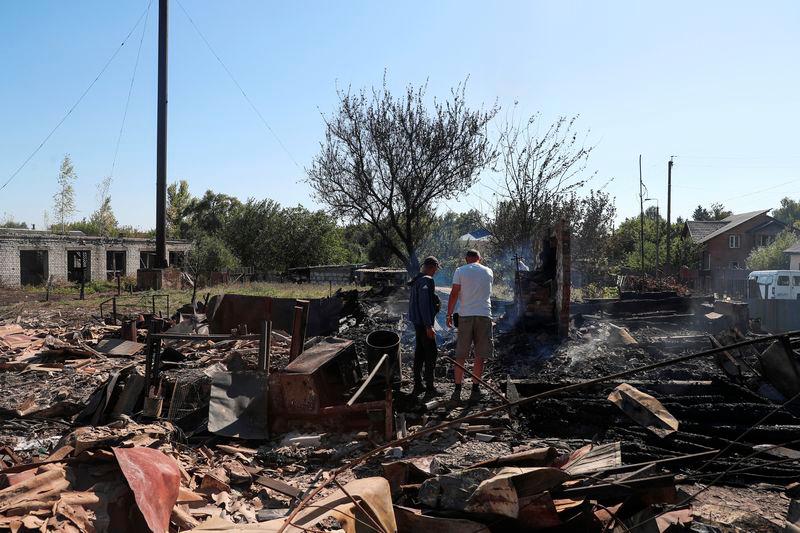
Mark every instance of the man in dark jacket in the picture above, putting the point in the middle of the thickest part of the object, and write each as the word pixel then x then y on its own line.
pixel 423 306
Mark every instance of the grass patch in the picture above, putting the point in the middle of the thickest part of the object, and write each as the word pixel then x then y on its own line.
pixel 66 296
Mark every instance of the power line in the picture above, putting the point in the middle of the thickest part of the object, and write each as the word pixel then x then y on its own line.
pixel 130 89
pixel 740 157
pixel 762 190
pixel 75 105
pixel 238 85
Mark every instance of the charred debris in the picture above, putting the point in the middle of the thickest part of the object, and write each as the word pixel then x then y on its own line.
pixel 658 411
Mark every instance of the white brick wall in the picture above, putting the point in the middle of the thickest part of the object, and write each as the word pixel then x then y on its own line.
pixel 57 246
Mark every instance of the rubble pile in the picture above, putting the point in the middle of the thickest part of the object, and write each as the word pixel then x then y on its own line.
pixel 658 420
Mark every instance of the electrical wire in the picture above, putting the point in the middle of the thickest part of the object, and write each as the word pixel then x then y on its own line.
pixel 130 89
pixel 762 190
pixel 77 102
pixel 238 85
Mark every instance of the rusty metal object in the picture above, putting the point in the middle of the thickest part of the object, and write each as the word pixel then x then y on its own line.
pixel 297 345
pixel 228 311
pixel 299 328
pixel 155 480
pixel 129 330
pixel 318 378
pixel 314 388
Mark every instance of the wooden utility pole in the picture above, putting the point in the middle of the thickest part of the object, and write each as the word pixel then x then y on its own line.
pixel 669 212
pixel 161 138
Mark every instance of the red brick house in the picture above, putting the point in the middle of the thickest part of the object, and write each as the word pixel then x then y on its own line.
pixel 724 247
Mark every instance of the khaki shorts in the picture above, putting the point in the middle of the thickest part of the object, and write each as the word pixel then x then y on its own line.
pixel 474 330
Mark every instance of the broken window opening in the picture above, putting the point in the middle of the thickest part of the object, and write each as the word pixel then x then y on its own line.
pixel 78 265
pixel 115 265
pixel 176 259
pixel 147 260
pixel 33 268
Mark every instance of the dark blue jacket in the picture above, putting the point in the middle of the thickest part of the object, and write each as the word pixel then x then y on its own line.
pixel 423 302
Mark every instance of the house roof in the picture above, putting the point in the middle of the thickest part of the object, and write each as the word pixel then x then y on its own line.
pixel 698 229
pixel 793 249
pixel 476 235
pixel 704 230
pixel 766 224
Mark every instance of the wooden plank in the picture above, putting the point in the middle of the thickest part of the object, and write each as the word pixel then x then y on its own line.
pixel 598 458
pixel 279 486
pixel 119 347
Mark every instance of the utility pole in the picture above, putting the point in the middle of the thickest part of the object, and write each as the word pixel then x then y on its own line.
pixel 669 211
pixel 641 219
pixel 658 234
pixel 658 238
pixel 161 138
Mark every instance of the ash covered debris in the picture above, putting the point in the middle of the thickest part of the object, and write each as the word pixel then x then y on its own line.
pixel 680 424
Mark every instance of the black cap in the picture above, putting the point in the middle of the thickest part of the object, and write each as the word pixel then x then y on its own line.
pixel 430 261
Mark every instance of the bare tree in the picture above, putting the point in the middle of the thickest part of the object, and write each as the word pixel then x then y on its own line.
pixel 540 173
pixel 64 198
pixel 388 161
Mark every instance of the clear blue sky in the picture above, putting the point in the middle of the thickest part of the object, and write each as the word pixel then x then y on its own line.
pixel 715 83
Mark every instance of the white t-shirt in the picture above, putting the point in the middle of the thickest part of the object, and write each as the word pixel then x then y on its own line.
pixel 476 289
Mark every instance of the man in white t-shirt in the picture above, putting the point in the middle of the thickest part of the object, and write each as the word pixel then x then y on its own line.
pixel 472 291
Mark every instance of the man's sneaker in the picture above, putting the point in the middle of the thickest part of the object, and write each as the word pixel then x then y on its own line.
pixel 476 392
pixel 456 396
pixel 431 390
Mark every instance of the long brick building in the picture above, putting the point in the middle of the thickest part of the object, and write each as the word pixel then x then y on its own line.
pixel 29 257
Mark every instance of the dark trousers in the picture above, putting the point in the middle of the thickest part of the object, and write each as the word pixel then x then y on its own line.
pixel 424 355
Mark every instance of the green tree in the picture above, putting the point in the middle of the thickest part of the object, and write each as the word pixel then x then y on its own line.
pixel 178 201
pixel 716 211
pixel 591 232
pixel 442 241
pixel 64 198
pixel 103 218
pixel 209 254
pixel 131 231
pixel 89 227
pixel 252 234
pixel 209 214
pixel 8 221
pixel 389 161
pixel 788 212
pixel 365 245
pixel 309 238
pixel 772 257
pixel 624 245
